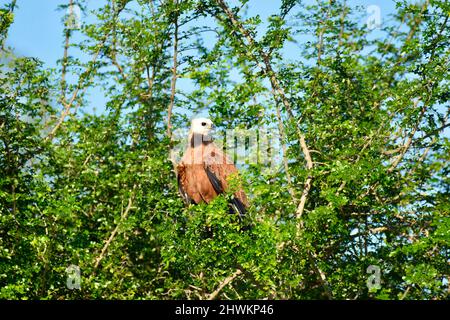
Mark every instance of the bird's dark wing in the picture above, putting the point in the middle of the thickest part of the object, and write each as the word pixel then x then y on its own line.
pixel 236 204
pixel 215 181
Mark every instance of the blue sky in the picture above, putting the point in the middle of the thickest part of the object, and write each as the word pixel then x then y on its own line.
pixel 38 32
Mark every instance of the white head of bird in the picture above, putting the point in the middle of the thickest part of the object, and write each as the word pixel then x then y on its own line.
pixel 202 126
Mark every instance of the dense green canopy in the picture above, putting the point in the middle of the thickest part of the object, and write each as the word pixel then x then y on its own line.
pixel 357 207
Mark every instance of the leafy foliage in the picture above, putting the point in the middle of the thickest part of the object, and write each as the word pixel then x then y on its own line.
pixel 364 179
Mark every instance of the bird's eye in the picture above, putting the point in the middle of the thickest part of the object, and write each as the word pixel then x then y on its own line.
pixel 203 124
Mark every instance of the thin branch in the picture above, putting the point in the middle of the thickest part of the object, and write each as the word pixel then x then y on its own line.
pixel 366 145
pixel 323 279
pixel 4 36
pixel 123 216
pixel 174 72
pixel 285 159
pixel 421 159
pixel 425 153
pixel 342 23
pixel 412 32
pixel 65 58
pixel 405 293
pixel 321 34
pixel 279 94
pixel 224 283
pixel 67 106
pixel 12 5
pixel 435 131
pixel 406 146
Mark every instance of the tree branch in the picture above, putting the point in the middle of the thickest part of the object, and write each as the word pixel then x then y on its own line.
pixel 65 60
pixel 323 279
pixel 67 106
pixel 285 160
pixel 123 216
pixel 174 71
pixel 224 283
pixel 406 146
pixel 278 93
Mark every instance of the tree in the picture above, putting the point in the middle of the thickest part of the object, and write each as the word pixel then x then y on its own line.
pixel 362 184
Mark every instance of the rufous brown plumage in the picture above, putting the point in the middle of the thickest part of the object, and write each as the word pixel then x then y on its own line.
pixel 204 170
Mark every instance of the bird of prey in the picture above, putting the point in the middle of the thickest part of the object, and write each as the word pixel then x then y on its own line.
pixel 204 169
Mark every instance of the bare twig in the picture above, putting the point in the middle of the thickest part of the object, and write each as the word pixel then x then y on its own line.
pixel 321 34
pixel 174 72
pixel 342 23
pixel 405 293
pixel 68 105
pixel 323 279
pixel 123 216
pixel 407 144
pixel 65 59
pixel 285 159
pixel 224 283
